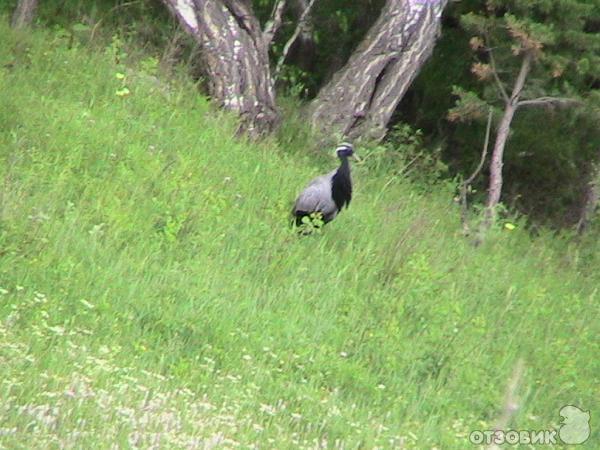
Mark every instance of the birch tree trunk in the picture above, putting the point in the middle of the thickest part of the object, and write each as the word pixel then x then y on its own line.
pixel 302 52
pixel 235 57
pixel 361 98
pixel 24 12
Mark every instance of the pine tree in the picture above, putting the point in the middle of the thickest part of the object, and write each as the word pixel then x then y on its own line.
pixel 529 53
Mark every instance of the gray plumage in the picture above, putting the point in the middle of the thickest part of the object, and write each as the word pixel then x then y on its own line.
pixel 329 193
pixel 316 197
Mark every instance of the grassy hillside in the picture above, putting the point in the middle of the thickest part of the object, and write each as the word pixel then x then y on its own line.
pixel 152 293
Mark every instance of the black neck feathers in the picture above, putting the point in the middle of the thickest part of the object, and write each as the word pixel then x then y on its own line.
pixel 341 185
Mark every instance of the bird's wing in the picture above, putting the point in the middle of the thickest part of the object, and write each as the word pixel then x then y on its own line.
pixel 317 197
pixel 323 179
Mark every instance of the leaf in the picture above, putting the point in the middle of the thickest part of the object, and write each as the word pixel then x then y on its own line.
pixel 124 92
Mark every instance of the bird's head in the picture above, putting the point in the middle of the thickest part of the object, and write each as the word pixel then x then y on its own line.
pixel 344 150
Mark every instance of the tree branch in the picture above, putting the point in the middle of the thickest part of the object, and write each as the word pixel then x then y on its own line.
pixel 286 48
pixel 496 76
pixel 465 185
pixel 551 101
pixel 494 67
pixel 520 82
pixel 274 23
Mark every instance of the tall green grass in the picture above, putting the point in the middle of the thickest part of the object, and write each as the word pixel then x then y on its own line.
pixel 153 293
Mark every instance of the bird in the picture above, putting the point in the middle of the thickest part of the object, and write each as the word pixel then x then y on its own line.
pixel 329 193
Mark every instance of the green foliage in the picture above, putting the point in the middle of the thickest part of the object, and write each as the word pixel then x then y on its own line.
pixel 526 30
pixel 295 80
pixel 557 32
pixel 336 26
pixel 312 224
pixel 152 292
pixel 469 106
pixel 401 155
pixel 565 51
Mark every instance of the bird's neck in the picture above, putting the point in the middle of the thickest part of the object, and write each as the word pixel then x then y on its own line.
pixel 341 185
pixel 344 165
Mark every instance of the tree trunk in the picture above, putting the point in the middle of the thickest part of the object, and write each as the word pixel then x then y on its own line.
pixel 361 98
pixel 592 197
pixel 235 57
pixel 303 51
pixel 495 187
pixel 24 12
